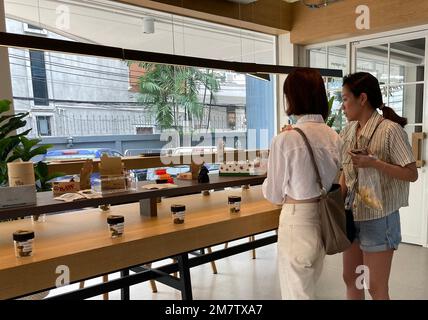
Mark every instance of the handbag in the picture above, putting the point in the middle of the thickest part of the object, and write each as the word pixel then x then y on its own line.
pixel 332 211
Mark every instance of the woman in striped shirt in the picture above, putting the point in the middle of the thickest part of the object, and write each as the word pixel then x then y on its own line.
pixel 377 143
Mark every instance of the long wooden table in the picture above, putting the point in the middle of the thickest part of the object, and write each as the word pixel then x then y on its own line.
pixel 47 204
pixel 80 240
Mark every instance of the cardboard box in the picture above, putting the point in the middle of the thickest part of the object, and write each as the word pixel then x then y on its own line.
pixel 18 196
pixel 61 187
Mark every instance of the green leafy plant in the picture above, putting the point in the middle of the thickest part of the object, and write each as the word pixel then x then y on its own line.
pixel 332 117
pixel 43 177
pixel 17 146
pixel 9 123
pixel 169 90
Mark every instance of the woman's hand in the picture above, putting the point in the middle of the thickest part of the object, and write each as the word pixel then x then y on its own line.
pixel 362 160
pixel 287 127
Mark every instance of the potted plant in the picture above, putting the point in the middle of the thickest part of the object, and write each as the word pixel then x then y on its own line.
pixel 17 146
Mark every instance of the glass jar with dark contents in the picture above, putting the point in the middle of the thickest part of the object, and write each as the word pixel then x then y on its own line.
pixel 116 225
pixel 23 241
pixel 234 204
pixel 178 211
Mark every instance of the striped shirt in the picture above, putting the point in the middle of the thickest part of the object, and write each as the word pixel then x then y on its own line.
pixel 390 144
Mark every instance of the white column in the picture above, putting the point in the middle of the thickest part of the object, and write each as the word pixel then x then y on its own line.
pixel 287 55
pixel 5 83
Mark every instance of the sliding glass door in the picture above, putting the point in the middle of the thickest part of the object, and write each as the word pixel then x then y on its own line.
pixel 399 64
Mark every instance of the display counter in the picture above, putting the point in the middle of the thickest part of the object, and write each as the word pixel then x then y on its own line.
pixel 47 204
pixel 81 240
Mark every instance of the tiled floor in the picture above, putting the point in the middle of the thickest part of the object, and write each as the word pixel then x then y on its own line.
pixel 241 277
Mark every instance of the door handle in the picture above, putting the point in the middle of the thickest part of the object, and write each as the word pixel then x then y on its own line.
pixel 417 143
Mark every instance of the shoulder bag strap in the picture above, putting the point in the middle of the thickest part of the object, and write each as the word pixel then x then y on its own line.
pixel 371 136
pixel 311 153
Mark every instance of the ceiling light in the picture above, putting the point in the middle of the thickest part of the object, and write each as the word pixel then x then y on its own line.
pixel 148 25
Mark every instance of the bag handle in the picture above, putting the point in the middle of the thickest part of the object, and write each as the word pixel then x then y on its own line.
pixel 311 153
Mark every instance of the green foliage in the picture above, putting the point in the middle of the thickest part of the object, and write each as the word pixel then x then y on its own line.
pixel 43 177
pixel 28 149
pixel 332 117
pixel 334 120
pixel 17 146
pixel 168 90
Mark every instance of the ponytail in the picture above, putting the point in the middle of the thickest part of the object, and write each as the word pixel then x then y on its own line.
pixel 365 82
pixel 389 113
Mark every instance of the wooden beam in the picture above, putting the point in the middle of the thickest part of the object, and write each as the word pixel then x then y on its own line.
pixel 337 20
pixel 266 16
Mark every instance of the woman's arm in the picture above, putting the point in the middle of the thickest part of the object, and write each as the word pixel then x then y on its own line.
pixel 406 173
pixel 273 186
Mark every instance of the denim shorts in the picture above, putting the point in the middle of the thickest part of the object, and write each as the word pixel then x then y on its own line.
pixel 379 234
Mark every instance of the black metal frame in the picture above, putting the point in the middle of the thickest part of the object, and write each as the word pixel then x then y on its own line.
pixel 162 274
pixel 39 43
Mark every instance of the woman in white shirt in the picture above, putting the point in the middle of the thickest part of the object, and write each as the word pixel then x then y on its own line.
pixel 291 182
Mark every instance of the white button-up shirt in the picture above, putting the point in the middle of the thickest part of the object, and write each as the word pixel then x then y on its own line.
pixel 290 169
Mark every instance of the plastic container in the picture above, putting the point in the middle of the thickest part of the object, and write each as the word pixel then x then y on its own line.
pixel 23 242
pixel 234 204
pixel 114 183
pixel 116 224
pixel 178 212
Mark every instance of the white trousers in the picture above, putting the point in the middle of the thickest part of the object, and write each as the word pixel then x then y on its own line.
pixel 300 250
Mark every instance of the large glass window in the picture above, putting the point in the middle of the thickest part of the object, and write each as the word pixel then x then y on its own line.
pixel 129 103
pixel 333 57
pixel 399 67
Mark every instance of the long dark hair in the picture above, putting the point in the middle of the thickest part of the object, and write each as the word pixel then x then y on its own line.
pixel 363 82
pixel 305 93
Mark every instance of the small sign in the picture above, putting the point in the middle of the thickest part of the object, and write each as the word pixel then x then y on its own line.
pixel 61 187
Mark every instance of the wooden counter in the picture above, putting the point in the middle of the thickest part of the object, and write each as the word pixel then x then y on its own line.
pixel 81 241
pixel 47 204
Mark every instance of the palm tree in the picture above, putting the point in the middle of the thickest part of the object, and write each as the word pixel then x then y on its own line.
pixel 168 90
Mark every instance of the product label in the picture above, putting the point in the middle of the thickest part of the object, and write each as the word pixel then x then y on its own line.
pixel 27 246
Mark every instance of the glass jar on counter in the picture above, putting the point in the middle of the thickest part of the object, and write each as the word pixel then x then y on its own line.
pixel 234 204
pixel 116 224
pixel 38 218
pixel 23 242
pixel 104 207
pixel 178 211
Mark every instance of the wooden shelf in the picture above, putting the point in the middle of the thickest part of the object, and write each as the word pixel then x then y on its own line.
pixel 47 204
pixel 81 241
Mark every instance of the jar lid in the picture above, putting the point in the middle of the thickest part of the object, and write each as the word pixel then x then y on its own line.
pixel 23 235
pixel 233 199
pixel 113 219
pixel 178 208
